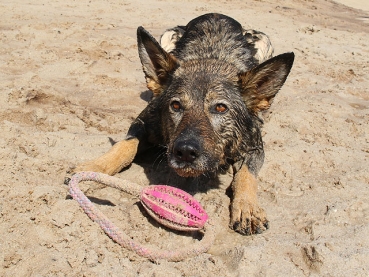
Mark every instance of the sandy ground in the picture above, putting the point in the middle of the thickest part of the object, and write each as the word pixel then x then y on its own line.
pixel 357 4
pixel 71 78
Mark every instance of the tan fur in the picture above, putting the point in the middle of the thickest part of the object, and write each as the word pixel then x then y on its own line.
pixel 169 39
pixel 245 204
pixel 118 157
pixel 157 84
pixel 262 44
pixel 262 83
pixel 154 87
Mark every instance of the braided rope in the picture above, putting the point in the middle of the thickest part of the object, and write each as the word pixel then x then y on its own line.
pixel 117 235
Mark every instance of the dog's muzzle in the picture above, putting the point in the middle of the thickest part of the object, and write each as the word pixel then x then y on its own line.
pixel 188 159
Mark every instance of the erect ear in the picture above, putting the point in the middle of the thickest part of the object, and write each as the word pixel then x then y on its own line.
pixel 261 84
pixel 157 64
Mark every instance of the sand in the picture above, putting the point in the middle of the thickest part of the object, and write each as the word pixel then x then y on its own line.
pixel 357 4
pixel 71 79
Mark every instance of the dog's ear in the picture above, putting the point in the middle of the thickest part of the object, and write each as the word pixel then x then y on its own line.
pixel 157 64
pixel 261 84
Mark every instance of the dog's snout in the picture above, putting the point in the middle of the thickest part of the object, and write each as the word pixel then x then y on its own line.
pixel 186 151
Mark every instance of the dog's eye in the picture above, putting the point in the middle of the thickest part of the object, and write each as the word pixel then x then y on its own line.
pixel 176 106
pixel 221 108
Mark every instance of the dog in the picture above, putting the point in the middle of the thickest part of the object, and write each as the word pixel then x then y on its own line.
pixel 210 81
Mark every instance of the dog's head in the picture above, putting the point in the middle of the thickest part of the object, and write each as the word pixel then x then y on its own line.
pixel 208 109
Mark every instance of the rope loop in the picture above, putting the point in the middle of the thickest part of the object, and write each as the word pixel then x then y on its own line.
pixel 149 252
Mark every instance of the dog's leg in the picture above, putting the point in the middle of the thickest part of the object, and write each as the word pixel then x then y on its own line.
pixel 170 37
pixel 260 45
pixel 246 216
pixel 119 156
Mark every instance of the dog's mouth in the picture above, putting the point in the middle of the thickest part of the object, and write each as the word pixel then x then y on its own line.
pixel 186 170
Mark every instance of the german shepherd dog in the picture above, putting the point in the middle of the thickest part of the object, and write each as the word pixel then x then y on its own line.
pixel 210 80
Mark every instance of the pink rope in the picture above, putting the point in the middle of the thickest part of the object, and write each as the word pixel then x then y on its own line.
pixel 117 235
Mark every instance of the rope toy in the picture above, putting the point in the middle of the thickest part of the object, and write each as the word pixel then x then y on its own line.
pixel 170 206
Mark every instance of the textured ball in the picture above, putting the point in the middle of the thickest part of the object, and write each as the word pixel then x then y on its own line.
pixel 173 207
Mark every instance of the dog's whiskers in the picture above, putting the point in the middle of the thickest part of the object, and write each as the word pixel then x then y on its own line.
pixel 160 157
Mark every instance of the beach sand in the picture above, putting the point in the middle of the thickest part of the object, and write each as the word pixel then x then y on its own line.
pixel 357 4
pixel 71 79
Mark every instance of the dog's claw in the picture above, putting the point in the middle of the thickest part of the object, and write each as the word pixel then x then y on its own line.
pixel 235 225
pixel 243 231
pixel 66 181
pixel 258 230
pixel 248 218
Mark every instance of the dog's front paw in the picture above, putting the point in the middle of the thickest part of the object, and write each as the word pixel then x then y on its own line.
pixel 88 166
pixel 247 218
pixel 94 166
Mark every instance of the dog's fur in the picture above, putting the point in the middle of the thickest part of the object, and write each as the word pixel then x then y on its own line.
pixel 209 81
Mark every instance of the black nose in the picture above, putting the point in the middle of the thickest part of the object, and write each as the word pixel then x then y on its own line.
pixel 186 151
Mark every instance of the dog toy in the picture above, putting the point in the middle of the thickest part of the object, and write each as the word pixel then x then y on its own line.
pixel 173 208
pixel 170 206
